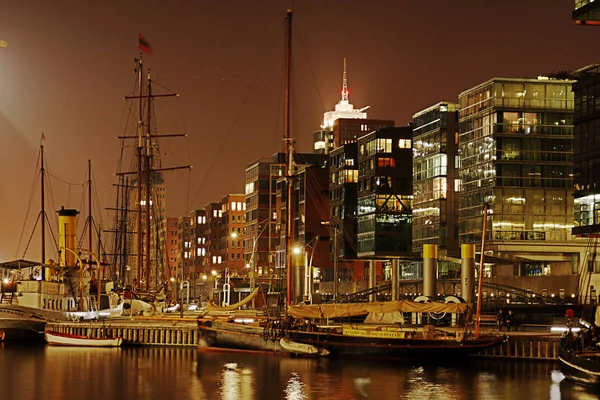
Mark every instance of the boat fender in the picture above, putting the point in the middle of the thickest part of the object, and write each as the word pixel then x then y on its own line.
pixel 460 336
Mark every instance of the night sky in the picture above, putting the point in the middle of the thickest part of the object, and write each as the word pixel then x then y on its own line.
pixel 68 65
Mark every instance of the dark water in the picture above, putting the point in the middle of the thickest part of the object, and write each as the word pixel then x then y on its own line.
pixel 49 373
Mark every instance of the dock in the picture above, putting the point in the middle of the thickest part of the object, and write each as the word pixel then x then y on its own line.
pixel 142 331
pixel 183 332
pixel 530 346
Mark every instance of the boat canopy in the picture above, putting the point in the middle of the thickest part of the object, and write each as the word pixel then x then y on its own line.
pixel 211 306
pixel 316 311
pixel 18 264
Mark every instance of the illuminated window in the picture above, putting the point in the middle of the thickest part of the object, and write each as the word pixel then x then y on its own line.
pixel 386 162
pixel 405 143
pixel 384 145
pixel 351 175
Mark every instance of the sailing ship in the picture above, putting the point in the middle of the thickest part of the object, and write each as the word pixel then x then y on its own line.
pixel 139 256
pixel 32 293
pixel 306 329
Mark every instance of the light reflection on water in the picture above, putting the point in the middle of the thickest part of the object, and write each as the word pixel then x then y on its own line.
pixel 173 374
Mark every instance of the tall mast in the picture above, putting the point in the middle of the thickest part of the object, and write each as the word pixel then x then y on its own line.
pixel 139 178
pixel 144 175
pixel 124 241
pixel 290 163
pixel 43 211
pixel 89 219
pixel 148 166
pixel 480 286
pixel 116 258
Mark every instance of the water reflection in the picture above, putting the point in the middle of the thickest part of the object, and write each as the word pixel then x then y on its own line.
pixel 295 388
pixel 172 373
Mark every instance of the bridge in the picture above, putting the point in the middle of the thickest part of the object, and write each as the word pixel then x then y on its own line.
pixel 493 293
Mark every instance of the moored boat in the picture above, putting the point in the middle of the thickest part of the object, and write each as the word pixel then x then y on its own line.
pixel 65 339
pixel 579 352
pixel 582 367
pixel 33 292
pixel 390 341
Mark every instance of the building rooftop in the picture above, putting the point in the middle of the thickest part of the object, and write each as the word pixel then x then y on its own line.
pixel 539 79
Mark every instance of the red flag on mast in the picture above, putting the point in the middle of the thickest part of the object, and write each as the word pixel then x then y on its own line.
pixel 143 44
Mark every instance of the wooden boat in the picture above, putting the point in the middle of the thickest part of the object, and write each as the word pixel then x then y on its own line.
pixel 302 348
pixel 579 351
pixel 66 339
pixel 582 367
pixel 390 341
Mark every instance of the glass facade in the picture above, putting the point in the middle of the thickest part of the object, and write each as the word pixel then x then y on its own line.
pixel 343 183
pixel 435 210
pixel 516 146
pixel 385 193
pixel 587 150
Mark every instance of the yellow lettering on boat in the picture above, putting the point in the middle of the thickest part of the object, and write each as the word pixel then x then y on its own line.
pixel 379 334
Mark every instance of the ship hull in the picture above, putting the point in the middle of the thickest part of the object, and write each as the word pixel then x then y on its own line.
pixel 20 324
pixel 231 336
pixel 580 368
pixel 427 350
pixel 235 336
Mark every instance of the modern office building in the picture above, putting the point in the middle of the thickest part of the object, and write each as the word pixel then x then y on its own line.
pixel 261 236
pixel 586 151
pixel 385 194
pixel 343 200
pixel 435 179
pixel 586 12
pixel 516 148
pixel 311 217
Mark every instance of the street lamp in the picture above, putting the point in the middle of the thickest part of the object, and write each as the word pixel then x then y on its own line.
pixel 308 266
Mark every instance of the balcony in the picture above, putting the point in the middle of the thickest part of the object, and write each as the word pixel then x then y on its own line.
pixel 587 12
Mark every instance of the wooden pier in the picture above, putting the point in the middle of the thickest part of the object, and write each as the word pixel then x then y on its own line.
pixel 523 346
pixel 144 332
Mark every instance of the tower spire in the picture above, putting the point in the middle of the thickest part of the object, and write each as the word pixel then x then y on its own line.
pixel 345 84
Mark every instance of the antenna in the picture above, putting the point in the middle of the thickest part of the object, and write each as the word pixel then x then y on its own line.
pixel 345 84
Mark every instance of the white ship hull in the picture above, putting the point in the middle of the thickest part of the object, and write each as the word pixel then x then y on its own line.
pixel 20 323
pixel 23 323
pixel 63 339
